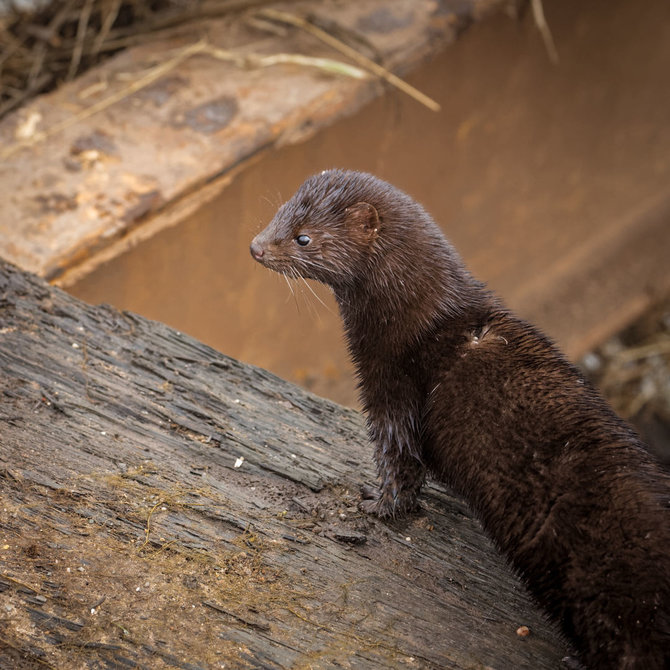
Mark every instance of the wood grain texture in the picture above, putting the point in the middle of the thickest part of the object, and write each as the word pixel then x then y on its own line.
pixel 128 538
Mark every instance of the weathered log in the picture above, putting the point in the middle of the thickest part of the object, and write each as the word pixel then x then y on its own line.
pixel 166 506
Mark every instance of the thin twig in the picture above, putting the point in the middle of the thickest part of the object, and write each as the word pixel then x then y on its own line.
pixel 107 24
pixel 255 60
pixel 14 46
pixel 360 59
pixel 543 27
pixel 60 18
pixel 36 67
pixel 82 27
pixel 644 351
pixel 147 529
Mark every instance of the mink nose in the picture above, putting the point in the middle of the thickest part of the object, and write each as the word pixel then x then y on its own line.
pixel 257 250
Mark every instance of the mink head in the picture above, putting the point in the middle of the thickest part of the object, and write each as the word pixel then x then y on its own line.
pixel 329 230
pixel 373 245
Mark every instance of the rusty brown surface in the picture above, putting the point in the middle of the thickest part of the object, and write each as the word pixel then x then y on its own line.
pixel 79 189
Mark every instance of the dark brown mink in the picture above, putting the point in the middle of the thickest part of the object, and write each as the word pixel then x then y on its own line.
pixel 455 384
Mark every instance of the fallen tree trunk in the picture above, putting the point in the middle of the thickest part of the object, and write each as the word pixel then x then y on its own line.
pixel 166 506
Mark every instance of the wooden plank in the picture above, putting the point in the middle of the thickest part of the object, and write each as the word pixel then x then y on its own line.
pixel 606 283
pixel 133 533
pixel 99 177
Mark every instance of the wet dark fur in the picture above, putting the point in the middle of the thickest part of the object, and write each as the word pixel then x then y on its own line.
pixel 455 384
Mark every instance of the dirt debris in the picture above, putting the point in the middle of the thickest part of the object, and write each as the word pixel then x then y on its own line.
pixel 632 369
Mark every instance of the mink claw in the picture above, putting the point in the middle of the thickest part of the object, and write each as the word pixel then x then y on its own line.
pixel 377 507
pixel 369 492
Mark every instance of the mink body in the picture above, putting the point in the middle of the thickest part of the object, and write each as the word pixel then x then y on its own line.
pixel 454 384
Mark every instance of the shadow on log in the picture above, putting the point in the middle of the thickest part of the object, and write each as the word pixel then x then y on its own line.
pixel 166 506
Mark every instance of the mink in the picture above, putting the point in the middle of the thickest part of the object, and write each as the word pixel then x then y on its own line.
pixel 456 385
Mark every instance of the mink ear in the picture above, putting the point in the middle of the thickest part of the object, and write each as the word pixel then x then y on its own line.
pixel 363 214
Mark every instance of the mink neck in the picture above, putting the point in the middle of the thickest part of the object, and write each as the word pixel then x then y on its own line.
pixel 399 301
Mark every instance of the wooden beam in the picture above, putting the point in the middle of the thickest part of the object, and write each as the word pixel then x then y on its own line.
pixel 94 160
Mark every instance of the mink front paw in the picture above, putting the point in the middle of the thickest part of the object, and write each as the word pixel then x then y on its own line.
pixel 378 508
pixel 371 501
pixel 384 505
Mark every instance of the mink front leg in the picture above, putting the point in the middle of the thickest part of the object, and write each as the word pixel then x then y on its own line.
pixel 401 471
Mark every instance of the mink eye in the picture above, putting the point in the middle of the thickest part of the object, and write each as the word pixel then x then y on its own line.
pixel 303 240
